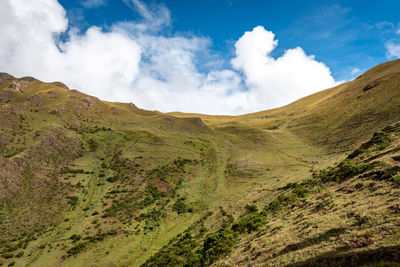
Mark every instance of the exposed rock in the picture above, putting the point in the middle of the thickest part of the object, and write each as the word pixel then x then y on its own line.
pixel 54 112
pixel 5 96
pixel 51 92
pixel 276 127
pixel 35 100
pixel 115 111
pixel 196 121
pixel 17 86
pixel 27 78
pixel 5 76
pixel 370 86
pixel 86 101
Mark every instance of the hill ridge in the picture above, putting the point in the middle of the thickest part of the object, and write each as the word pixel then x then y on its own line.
pixel 85 181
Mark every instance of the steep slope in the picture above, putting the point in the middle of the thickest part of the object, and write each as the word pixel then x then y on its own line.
pixel 335 118
pixel 89 182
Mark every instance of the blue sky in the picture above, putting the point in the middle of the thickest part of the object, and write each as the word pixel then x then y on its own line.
pixel 345 35
pixel 209 56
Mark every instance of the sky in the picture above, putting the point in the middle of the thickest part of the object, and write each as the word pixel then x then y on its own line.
pixel 210 56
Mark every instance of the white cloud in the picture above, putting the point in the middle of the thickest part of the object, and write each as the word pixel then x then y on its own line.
pixel 393 50
pixel 275 82
pixel 98 63
pixel 153 19
pixel 93 3
pixel 133 61
pixel 355 71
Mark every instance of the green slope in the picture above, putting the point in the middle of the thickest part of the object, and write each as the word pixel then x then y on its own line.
pixel 89 182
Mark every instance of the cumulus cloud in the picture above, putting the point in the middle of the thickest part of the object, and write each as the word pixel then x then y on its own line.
pixel 100 63
pixel 393 50
pixel 134 61
pixel 153 18
pixel 277 81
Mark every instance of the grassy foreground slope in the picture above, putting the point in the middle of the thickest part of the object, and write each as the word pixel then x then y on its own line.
pixel 89 182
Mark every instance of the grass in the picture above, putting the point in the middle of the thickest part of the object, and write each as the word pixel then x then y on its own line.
pixel 107 183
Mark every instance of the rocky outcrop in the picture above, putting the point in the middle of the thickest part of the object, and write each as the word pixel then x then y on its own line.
pixel 5 76
pixel 16 86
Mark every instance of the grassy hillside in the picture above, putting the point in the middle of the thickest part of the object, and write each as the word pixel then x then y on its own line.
pixel 88 182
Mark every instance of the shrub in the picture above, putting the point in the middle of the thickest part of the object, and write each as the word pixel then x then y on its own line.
pixel 180 252
pixel 76 249
pixel 218 244
pixel 344 170
pixel 249 223
pixel 75 237
pixel 281 201
pixel 362 219
pixel 73 201
pixel 93 145
pixel 112 179
pixel 180 206
pixel 300 191
pixel 7 255
pixel 396 179
pixel 251 208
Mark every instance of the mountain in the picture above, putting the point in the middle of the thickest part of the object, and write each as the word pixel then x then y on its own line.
pixel 89 182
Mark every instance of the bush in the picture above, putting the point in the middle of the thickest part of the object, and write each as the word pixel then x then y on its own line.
pixel 112 179
pixel 347 168
pixel 300 191
pixel 281 201
pixel 182 252
pixel 180 206
pixel 249 223
pixel 396 179
pixel 251 208
pixel 73 201
pixel 218 244
pixel 75 237
pixel 76 249
pixel 7 255
pixel 93 145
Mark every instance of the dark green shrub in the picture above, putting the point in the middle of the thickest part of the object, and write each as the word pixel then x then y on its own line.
pixel 218 244
pixel 112 179
pixel 396 179
pixel 76 249
pixel 179 252
pixel 72 200
pixel 75 237
pixel 300 191
pixel 93 145
pixel 251 208
pixel 347 168
pixel 180 206
pixel 249 223
pixel 7 255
